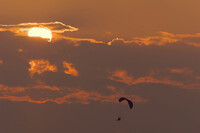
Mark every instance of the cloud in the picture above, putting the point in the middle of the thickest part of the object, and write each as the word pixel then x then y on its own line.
pixel 184 71
pixel 11 90
pixel 163 38
pixel 57 29
pixel 41 66
pixel 183 78
pixel 59 95
pixel 95 71
pixel 69 69
pixel 79 40
pixel 122 76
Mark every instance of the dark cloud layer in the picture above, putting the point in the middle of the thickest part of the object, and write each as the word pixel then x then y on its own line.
pixel 167 59
pixel 72 85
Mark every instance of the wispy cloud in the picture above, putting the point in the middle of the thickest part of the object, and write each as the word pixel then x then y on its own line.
pixel 40 66
pixel 163 38
pixel 57 29
pixel 70 69
pixel 22 28
pixel 185 78
pixel 60 95
pixel 182 71
pixel 77 40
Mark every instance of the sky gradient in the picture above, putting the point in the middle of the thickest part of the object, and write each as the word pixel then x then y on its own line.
pixel 147 51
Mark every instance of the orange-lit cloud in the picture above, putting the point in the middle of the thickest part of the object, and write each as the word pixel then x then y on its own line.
pixel 70 69
pixel 190 80
pixel 21 98
pixel 123 77
pixel 85 97
pixel 61 95
pixel 10 90
pixel 1 62
pixel 162 39
pixel 40 66
pixel 57 29
pixel 184 71
pixel 121 92
pixel 42 86
pixel 76 40
pixel 22 29
pixel 20 50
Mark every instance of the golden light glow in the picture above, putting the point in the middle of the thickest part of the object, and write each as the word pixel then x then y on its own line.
pixel 70 69
pixel 42 32
pixel 40 66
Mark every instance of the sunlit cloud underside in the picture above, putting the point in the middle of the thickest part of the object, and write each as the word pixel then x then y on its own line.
pixel 52 31
pixel 62 73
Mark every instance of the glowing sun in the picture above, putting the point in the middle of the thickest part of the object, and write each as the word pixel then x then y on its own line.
pixel 42 32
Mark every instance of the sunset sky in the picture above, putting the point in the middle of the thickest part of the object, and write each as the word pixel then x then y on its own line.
pixel 65 63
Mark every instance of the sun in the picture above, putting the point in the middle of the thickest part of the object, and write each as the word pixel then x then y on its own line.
pixel 42 32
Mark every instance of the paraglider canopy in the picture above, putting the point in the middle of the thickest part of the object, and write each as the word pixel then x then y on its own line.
pixel 130 103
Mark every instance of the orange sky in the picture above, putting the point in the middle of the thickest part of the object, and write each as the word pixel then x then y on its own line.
pixel 123 18
pixel 145 50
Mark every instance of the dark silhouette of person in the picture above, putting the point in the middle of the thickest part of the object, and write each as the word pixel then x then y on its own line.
pixel 119 119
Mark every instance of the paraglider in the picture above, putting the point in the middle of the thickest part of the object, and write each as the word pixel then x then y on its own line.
pixel 130 103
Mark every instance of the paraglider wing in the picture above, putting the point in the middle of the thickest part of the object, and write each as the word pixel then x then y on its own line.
pixel 130 103
pixel 122 99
